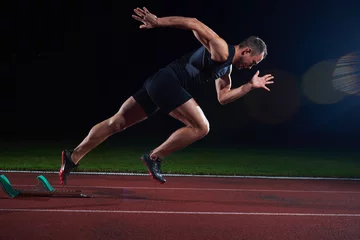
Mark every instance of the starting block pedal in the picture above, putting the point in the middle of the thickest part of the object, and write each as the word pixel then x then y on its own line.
pixel 42 189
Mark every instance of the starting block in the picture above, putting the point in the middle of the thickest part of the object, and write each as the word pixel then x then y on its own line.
pixel 42 189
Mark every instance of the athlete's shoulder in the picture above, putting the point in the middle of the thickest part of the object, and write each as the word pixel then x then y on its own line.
pixel 221 50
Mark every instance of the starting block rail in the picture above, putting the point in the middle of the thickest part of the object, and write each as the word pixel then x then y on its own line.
pixel 42 189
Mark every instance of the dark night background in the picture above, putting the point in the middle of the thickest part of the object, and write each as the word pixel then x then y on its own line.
pixel 73 63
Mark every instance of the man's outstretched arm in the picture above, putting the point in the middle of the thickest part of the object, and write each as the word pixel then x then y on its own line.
pixel 226 95
pixel 214 44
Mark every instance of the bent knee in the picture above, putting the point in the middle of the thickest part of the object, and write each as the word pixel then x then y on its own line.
pixel 117 123
pixel 203 129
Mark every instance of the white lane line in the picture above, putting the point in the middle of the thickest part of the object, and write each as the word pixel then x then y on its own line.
pixel 183 213
pixel 188 175
pixel 203 189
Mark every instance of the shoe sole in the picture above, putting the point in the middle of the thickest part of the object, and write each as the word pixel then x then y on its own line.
pixel 62 173
pixel 151 175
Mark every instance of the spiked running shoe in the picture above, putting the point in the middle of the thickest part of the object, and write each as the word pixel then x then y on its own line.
pixel 67 165
pixel 154 167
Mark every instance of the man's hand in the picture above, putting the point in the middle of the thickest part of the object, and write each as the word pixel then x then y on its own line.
pixel 148 19
pixel 261 82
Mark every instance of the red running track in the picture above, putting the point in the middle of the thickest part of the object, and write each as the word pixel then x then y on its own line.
pixel 137 207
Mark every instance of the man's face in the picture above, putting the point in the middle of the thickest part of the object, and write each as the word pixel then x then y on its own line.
pixel 247 59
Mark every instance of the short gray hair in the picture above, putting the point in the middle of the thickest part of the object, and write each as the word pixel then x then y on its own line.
pixel 256 44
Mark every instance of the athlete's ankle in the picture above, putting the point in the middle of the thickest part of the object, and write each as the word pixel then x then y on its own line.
pixel 73 157
pixel 155 156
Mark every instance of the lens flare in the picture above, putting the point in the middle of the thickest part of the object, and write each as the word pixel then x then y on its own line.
pixel 318 86
pixel 346 75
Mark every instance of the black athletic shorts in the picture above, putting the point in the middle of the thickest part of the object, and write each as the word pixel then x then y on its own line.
pixel 163 91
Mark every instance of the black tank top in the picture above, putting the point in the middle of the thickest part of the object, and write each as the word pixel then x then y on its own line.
pixel 197 67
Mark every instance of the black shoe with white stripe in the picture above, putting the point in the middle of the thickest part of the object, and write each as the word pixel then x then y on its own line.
pixel 154 167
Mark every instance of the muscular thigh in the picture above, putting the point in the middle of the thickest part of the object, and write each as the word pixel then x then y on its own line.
pixel 191 114
pixel 129 114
